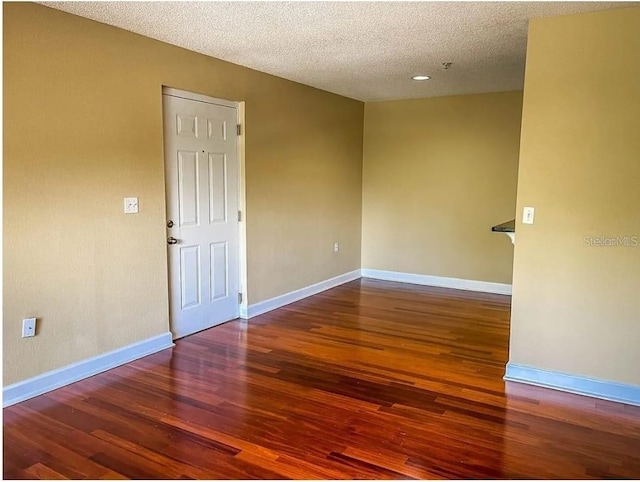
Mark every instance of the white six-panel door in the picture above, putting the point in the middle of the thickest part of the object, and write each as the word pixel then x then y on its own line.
pixel 201 172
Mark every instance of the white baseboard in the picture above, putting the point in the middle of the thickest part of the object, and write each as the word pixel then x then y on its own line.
pixel 566 382
pixel 440 281
pixel 48 381
pixel 287 298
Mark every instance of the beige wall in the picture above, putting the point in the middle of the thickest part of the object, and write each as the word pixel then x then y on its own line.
pixel 83 129
pixel 438 173
pixel 576 309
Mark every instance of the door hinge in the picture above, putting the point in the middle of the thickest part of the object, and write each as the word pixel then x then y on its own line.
pixel 239 129
pixel 239 298
pixel 239 216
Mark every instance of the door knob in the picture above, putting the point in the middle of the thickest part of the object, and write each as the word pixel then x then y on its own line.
pixel 172 240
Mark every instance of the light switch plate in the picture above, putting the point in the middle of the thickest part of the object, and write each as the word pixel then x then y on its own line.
pixel 28 327
pixel 131 205
pixel 527 215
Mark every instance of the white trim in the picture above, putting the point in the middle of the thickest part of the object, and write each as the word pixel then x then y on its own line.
pixel 287 298
pixel 48 381
pixel 183 94
pixel 566 382
pixel 440 281
pixel 242 207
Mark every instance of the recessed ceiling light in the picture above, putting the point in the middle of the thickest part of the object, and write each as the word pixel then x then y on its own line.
pixel 420 77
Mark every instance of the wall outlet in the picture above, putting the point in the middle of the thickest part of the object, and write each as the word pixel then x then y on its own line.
pixel 336 247
pixel 131 205
pixel 28 327
pixel 527 215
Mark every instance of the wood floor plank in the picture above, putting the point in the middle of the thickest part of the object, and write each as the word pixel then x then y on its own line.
pixel 40 471
pixel 369 380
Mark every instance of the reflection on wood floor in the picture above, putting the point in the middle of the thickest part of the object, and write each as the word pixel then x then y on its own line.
pixel 368 380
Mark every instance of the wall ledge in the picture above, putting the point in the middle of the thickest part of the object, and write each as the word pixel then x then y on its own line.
pixel 297 295
pixel 32 387
pixel 581 385
pixel 440 281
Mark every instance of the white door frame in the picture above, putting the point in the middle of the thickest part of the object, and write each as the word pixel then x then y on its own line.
pixel 242 223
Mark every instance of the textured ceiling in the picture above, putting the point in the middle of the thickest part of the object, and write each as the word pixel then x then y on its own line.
pixel 364 50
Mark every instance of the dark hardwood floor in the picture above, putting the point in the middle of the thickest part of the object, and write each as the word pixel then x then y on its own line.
pixel 368 380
